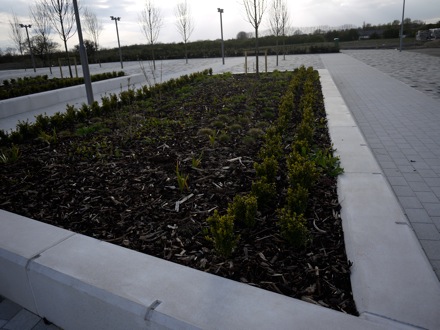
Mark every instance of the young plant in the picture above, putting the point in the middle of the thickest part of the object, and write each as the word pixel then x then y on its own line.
pixel 297 198
pixel 293 228
pixel 221 233
pixel 195 162
pixel 244 209
pixel 182 179
pixel 264 191
pixel 327 163
pixel 48 138
pixel 212 139
pixel 302 172
pixel 267 168
pixel 11 155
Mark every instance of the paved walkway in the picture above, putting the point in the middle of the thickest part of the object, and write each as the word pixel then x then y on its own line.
pixel 401 126
pixel 14 317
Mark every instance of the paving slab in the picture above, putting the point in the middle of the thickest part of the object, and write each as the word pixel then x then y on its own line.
pixel 378 88
pixel 390 274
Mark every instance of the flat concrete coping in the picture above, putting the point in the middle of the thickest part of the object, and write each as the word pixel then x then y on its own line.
pixel 78 282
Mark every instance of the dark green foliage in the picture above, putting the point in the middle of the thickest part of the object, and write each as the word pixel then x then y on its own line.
pixel 244 209
pixel 265 192
pixel 297 198
pixel 31 85
pixel 268 168
pixel 221 233
pixel 293 228
pixel 327 163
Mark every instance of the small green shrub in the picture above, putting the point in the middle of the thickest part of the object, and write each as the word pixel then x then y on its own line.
pixel 265 192
pixel 218 124
pixel 293 228
pixel 244 209
pixel 297 198
pixel 267 168
pixel 327 163
pixel 206 131
pixel 221 233
pixel 235 127
pixel 224 137
pixel 306 128
pixel 48 138
pixel 256 132
pixel 302 172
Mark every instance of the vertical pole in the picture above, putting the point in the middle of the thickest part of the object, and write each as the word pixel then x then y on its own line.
pixel 76 68
pixel 245 62
pixel 30 49
pixel 29 44
pixel 265 59
pixel 83 54
pixel 119 44
pixel 401 26
pixel 221 29
pixel 61 68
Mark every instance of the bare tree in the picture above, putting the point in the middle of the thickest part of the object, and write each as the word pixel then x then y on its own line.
pixel 61 14
pixel 16 33
pixel 254 12
pixel 151 22
pixel 93 27
pixel 42 29
pixel 185 23
pixel 278 20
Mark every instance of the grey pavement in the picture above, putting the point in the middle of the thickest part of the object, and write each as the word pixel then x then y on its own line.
pixel 14 317
pixel 395 100
pixel 400 123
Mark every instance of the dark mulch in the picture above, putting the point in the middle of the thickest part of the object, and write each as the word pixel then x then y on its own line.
pixel 114 179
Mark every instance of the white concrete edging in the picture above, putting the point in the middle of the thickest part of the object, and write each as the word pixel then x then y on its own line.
pixel 78 282
pixel 392 279
pixel 37 101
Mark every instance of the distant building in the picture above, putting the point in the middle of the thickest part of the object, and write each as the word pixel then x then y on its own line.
pixel 423 35
pixel 435 33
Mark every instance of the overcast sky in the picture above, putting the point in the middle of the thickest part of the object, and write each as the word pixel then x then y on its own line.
pixel 304 13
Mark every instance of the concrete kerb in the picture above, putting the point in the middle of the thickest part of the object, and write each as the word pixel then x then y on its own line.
pixel 79 282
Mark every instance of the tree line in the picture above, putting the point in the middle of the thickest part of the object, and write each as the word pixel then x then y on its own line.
pixel 57 16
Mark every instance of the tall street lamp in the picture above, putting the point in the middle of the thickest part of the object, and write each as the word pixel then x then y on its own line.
pixel 401 26
pixel 116 19
pixel 221 28
pixel 83 55
pixel 29 43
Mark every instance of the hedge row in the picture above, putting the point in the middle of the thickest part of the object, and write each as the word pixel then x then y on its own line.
pixel 31 85
pixel 304 162
pixel 44 124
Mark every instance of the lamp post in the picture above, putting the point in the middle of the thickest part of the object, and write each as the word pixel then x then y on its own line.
pixel 116 19
pixel 83 55
pixel 29 43
pixel 221 29
pixel 401 26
